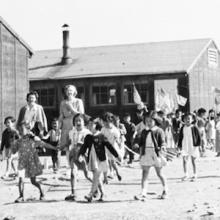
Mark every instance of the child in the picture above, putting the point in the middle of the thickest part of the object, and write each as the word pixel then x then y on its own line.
pixel 28 161
pixel 210 129
pixel 9 135
pixel 97 160
pixel 54 134
pixel 217 126
pixel 130 135
pixel 123 132
pixel 76 139
pixel 112 134
pixel 151 143
pixel 189 142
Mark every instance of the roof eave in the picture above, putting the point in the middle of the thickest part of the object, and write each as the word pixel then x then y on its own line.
pixel 8 27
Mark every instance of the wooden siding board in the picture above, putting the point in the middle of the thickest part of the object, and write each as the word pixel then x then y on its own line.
pixel 21 76
pixel 8 80
pixel 1 59
pixel 202 77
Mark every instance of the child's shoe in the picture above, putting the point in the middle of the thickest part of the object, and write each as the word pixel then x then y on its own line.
pixel 102 197
pixel 164 195
pixel 141 197
pixel 185 178
pixel 71 197
pixel 89 198
pixel 19 199
pixel 194 178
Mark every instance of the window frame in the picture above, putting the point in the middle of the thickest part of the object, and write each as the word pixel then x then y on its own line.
pixel 47 89
pixel 127 83
pixel 108 85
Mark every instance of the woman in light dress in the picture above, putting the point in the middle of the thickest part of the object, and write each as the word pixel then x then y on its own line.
pixel 69 107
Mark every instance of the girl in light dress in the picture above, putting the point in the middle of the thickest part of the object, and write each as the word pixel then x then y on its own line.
pixel 112 134
pixel 69 107
pixel 189 143
pixel 152 141
pixel 96 145
pixel 76 139
pixel 210 129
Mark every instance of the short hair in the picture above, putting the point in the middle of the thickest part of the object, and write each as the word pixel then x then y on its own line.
pixel 201 110
pixel 67 87
pixel 178 111
pixel 82 116
pixel 187 114
pixel 32 93
pixel 108 116
pixel 11 118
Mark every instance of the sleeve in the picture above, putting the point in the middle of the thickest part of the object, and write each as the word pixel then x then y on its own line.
pixel 180 139
pixel 110 148
pixel 61 115
pixel 162 139
pixel 81 109
pixel 41 117
pixel 3 141
pixel 86 144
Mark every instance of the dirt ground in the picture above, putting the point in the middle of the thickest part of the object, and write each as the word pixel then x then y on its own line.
pixel 187 200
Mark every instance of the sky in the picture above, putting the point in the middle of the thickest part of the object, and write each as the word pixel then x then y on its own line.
pixel 109 22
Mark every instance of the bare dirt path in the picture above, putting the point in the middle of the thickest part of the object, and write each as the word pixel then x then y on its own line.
pixel 187 200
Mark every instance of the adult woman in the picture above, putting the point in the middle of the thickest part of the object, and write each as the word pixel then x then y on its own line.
pixel 69 107
pixel 33 113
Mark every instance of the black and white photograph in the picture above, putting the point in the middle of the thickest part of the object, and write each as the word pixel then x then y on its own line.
pixel 110 110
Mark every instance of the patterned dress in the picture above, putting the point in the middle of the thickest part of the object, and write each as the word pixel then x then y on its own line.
pixel 28 159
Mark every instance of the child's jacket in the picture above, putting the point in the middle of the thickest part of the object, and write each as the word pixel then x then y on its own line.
pixel 195 135
pixel 99 143
pixel 158 138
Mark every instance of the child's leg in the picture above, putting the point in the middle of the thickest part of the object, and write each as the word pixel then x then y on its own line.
pixel 21 187
pixel 86 174
pixel 161 177
pixel 7 167
pixel 144 181
pixel 21 175
pixel 193 159
pixel 185 166
pixel 37 184
pixel 115 167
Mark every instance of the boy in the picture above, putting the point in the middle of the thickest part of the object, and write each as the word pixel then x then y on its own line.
pixel 9 135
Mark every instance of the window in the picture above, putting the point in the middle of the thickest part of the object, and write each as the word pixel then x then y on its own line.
pixel 142 89
pixel 104 95
pixel 47 97
pixel 212 57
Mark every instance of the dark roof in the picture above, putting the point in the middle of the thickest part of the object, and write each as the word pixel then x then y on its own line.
pixel 144 58
pixel 7 26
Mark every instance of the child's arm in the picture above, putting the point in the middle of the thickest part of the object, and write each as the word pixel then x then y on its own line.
pixel 43 144
pixel 85 146
pixel 112 149
pixel 3 142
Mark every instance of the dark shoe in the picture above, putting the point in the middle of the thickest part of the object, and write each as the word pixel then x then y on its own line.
pixel 119 177
pixel 88 198
pixel 19 199
pixel 70 198
pixel 42 197
pixel 163 195
pixel 101 199
pixel 140 197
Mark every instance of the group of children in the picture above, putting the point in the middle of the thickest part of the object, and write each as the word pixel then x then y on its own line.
pixel 99 145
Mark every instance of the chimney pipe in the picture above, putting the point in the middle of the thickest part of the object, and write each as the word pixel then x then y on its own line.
pixel 66 59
